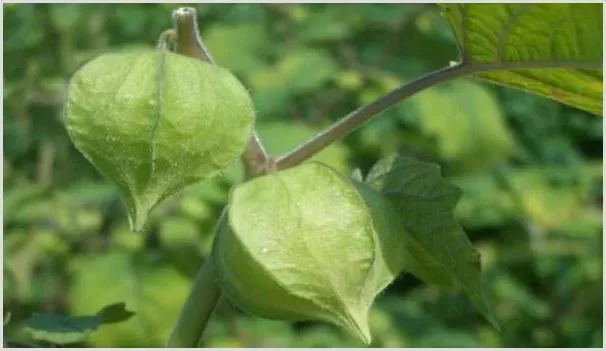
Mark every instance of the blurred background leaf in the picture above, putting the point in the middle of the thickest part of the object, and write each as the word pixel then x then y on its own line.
pixel 530 168
pixel 62 330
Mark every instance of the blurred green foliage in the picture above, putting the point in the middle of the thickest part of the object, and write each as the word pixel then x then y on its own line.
pixel 531 170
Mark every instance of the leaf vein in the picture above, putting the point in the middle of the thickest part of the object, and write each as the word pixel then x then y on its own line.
pixel 507 28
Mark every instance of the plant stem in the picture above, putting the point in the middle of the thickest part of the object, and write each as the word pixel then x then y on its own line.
pixel 167 39
pixel 364 114
pixel 189 43
pixel 197 310
pixel 205 293
pixel 254 158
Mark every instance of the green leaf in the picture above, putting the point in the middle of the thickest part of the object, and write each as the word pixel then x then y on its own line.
pixel 247 47
pixel 529 192
pixel 467 122
pixel 306 70
pixel 388 257
pixel 155 292
pixel 357 175
pixel 302 244
pixel 59 329
pixel 114 313
pixel 7 318
pixel 326 25
pixel 438 251
pixel 553 50
pixel 18 198
pixel 156 122
pixel 297 72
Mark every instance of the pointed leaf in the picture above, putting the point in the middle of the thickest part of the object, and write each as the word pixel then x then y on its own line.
pixel 437 249
pixel 553 50
pixel 115 313
pixel 58 329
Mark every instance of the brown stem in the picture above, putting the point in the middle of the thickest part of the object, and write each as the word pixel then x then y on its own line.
pixel 189 43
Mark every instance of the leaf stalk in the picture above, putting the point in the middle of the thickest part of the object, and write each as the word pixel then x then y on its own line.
pixel 357 118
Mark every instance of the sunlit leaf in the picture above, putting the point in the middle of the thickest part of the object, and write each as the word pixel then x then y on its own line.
pixel 554 50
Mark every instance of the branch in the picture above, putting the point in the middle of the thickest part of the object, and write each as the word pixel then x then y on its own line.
pixel 358 117
pixel 185 21
pixel 197 310
pixel 364 114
